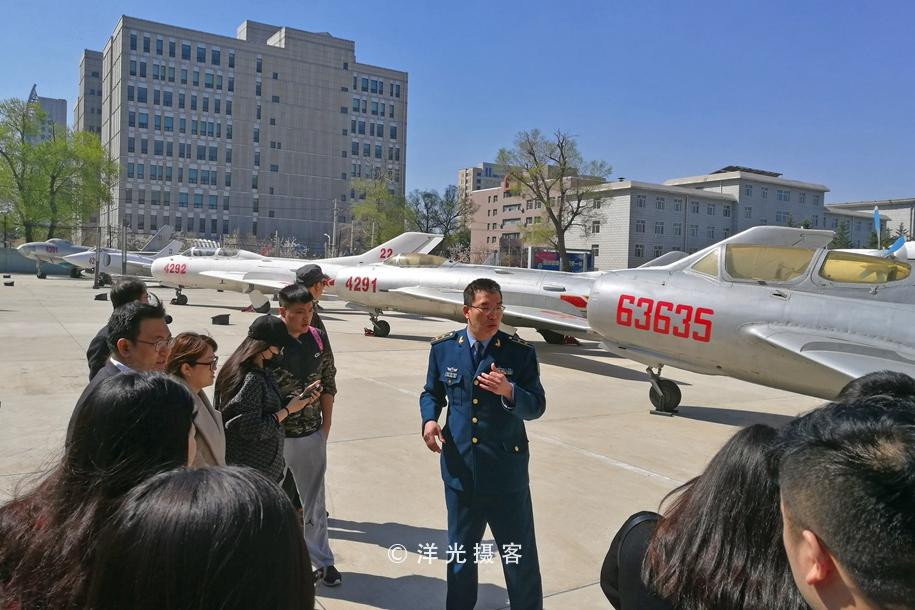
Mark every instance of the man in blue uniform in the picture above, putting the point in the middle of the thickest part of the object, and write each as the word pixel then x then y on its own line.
pixel 490 382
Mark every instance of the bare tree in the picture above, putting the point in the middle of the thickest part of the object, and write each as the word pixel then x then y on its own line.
pixel 553 172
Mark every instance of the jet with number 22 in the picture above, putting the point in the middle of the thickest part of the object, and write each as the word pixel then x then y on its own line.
pixel 258 276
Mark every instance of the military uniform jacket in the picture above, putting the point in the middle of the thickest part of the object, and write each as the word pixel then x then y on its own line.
pixel 486 446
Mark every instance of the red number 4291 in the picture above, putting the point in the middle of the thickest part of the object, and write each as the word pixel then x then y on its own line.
pixel 665 318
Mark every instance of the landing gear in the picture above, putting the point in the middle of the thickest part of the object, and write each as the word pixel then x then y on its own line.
pixel 180 299
pixel 664 394
pixel 380 328
pixel 554 338
pixel 38 272
pixel 76 273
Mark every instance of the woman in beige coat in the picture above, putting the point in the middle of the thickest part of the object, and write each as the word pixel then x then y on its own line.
pixel 193 360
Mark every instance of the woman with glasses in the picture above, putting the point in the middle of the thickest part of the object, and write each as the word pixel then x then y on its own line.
pixel 193 360
pixel 251 403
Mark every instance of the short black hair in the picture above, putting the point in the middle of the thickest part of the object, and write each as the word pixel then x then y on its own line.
pixel 204 526
pixel 847 474
pixel 126 290
pixel 295 294
pixel 480 285
pixel 124 323
pixel 891 383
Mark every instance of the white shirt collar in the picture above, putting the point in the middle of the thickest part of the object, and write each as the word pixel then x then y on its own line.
pixel 120 365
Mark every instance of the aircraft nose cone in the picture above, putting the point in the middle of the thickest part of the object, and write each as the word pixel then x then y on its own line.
pixel 155 269
pixel 80 259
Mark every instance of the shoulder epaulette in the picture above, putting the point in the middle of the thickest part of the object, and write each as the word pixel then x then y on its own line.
pixel 441 338
pixel 516 339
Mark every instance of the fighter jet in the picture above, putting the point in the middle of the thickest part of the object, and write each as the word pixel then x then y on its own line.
pixel 258 276
pixel 51 251
pixel 138 264
pixel 770 305
pixel 549 301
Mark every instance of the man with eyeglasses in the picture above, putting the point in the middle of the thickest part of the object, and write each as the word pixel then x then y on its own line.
pixel 138 339
pixel 490 382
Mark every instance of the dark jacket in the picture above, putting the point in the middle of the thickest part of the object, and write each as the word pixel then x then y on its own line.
pixel 621 573
pixel 253 436
pixel 486 445
pixel 302 363
pixel 97 353
pixel 108 370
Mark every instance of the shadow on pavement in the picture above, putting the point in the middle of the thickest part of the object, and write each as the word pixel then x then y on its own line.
pixel 414 591
pixel 733 417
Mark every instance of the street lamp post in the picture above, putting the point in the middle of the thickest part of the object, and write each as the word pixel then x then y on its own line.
pixel 327 246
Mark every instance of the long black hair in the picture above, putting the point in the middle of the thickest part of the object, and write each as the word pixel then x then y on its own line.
pixel 719 544
pixel 222 538
pixel 132 426
pixel 232 374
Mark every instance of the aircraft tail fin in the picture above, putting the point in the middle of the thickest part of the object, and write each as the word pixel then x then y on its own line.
pixel 173 247
pixel 159 240
pixel 409 242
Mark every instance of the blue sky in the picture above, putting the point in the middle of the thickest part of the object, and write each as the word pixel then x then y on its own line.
pixel 820 91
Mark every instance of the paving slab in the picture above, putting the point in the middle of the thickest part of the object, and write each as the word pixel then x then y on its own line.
pixel 597 455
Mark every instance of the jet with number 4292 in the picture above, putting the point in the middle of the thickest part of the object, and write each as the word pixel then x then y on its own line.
pixel 259 276
pixel 770 305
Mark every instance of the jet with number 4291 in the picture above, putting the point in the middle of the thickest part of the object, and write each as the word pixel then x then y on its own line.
pixel 259 276
pixel 770 305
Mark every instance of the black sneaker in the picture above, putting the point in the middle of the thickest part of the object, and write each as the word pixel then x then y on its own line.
pixel 331 577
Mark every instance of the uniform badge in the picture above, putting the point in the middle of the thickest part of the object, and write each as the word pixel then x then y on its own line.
pixel 451 372
pixel 498 343
pixel 461 340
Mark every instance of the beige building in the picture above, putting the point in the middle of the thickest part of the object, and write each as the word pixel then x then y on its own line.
pixel 87 114
pixel 639 221
pixel 896 212
pixel 258 134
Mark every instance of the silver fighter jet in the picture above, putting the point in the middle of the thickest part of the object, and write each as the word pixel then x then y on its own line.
pixel 259 276
pixel 770 305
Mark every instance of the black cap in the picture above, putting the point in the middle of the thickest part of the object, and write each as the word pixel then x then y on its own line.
pixel 270 330
pixel 309 275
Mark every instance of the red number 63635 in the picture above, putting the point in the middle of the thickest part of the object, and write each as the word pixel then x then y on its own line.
pixel 656 317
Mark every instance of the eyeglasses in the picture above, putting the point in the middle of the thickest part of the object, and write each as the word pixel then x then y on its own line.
pixel 161 345
pixel 211 363
pixel 490 310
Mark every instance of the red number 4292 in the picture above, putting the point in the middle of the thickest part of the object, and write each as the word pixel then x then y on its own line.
pixel 665 318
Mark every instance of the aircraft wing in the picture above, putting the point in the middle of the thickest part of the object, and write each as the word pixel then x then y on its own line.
pixel 255 282
pixel 515 315
pixel 849 356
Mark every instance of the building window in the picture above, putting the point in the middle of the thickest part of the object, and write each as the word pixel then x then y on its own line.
pixel 659 203
pixel 639 250
pixel 659 228
pixel 748 190
pixel 678 203
pixel 274 167
pixel 678 229
pixel 764 192
pixel 710 209
pixel 133 42
pixel 658 251
pixel 201 54
pixel 595 251
pixel 747 212
pixel 694 207
pixel 146 44
pixel 693 230
pixel 259 66
pixel 595 226
pixel 185 51
pixel 640 201
pixel 781 217
pixel 639 226
pixel 710 232
pixel 159 46
pixel 275 99
pixel 214 57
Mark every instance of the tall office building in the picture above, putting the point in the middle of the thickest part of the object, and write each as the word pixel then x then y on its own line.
pixel 481 176
pixel 258 135
pixel 87 114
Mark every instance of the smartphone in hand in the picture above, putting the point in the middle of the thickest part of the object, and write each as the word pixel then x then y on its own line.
pixel 312 387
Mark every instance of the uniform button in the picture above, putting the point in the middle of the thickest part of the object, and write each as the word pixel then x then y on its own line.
pixel 473 440
pixel 474 419
pixel 475 401
pixel 476 382
pixel 516 449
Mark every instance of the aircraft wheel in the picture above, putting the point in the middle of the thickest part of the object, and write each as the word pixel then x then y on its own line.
pixel 265 308
pixel 104 279
pixel 381 328
pixel 551 337
pixel 181 299
pixel 669 400
pixel 75 273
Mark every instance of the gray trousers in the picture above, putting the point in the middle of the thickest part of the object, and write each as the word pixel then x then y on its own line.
pixel 306 457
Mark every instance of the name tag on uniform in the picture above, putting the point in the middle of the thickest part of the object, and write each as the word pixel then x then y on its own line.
pixel 451 372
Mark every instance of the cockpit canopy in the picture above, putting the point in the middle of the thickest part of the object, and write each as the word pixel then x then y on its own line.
pixel 223 252
pixel 783 264
pixel 416 259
